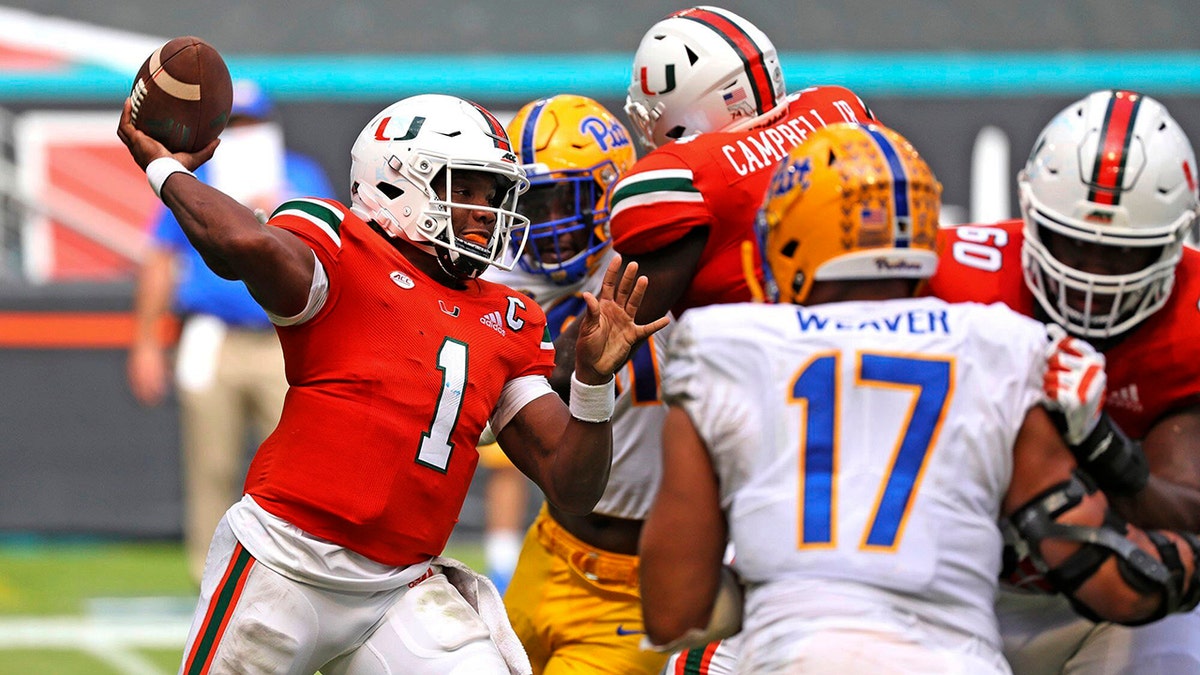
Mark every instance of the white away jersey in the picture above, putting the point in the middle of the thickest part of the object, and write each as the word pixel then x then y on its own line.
pixel 638 416
pixel 866 442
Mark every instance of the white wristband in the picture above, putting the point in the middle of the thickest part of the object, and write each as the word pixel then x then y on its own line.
pixel 593 402
pixel 161 168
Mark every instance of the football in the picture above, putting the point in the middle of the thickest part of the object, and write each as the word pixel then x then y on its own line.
pixel 182 95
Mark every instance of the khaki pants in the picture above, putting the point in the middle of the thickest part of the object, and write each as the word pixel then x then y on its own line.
pixel 243 393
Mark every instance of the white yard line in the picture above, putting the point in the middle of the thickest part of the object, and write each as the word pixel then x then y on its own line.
pixel 112 640
pixel 111 631
pixel 74 633
pixel 124 661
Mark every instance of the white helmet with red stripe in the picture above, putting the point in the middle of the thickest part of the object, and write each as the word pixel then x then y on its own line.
pixel 401 170
pixel 703 69
pixel 1111 170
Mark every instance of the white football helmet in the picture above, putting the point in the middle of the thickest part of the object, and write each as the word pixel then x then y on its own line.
pixel 1112 169
pixel 703 69
pixel 397 158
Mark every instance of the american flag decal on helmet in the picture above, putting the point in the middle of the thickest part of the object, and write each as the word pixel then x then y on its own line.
pixel 744 46
pixel 900 179
pixel 497 129
pixel 1112 153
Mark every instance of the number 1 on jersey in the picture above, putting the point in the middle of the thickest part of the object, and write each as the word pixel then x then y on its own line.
pixel 435 444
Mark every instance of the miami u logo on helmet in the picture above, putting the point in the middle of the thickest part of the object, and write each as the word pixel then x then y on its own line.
pixel 666 90
pixel 414 128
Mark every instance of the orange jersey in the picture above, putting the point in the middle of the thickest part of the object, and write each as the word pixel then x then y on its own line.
pixel 717 181
pixel 1155 370
pixel 392 381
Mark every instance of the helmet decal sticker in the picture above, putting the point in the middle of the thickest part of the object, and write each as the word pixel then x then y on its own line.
pixel 670 86
pixel 1108 173
pixel 414 128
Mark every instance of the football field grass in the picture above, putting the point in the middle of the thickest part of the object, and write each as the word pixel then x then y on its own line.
pixel 104 607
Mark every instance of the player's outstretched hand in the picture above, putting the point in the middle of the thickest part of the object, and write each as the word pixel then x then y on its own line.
pixel 145 149
pixel 607 330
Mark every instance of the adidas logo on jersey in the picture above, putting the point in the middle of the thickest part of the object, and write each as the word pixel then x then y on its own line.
pixel 493 320
pixel 1125 398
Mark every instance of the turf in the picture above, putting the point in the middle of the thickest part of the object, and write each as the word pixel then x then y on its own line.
pixel 20 661
pixel 48 578
pixel 54 578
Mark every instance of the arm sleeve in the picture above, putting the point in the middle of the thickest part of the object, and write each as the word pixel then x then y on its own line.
pixel 516 394
pixel 317 293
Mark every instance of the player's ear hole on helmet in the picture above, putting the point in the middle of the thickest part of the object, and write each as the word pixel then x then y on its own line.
pixel 798 282
pixel 676 132
pixel 389 190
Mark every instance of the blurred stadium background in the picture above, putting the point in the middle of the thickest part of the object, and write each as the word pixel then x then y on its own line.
pixel 91 574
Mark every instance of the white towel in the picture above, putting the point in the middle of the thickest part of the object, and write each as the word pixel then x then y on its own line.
pixel 483 596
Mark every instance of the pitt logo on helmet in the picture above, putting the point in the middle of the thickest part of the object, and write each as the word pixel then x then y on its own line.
pixel 792 172
pixel 608 133
pixel 850 202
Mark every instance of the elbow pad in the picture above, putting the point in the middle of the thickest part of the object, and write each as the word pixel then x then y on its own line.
pixel 1182 594
pixel 1037 521
pixel 1111 458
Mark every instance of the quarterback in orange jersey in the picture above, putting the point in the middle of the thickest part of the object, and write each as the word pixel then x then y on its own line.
pixel 1108 195
pixel 708 98
pixel 397 356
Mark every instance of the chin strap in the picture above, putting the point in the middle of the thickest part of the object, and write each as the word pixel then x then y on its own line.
pixel 461 266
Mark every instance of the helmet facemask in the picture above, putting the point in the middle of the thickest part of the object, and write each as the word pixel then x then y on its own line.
pixel 564 208
pixel 1094 305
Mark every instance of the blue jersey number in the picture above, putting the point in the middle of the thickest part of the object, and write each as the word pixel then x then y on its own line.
pixel 816 389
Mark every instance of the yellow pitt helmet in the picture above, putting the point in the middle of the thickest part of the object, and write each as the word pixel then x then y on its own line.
pixel 851 202
pixel 573 150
